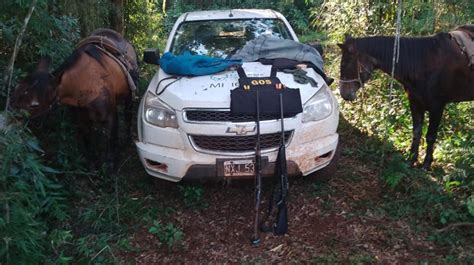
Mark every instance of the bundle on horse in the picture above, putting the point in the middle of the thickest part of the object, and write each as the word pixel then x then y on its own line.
pixel 433 70
pixel 98 76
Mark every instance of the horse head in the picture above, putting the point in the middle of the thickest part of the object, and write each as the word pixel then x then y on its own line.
pixel 35 93
pixel 356 69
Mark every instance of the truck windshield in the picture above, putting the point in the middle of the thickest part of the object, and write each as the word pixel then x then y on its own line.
pixel 222 38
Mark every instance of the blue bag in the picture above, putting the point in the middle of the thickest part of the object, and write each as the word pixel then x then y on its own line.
pixel 194 65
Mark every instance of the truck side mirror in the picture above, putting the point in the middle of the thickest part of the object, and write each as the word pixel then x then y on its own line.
pixel 151 56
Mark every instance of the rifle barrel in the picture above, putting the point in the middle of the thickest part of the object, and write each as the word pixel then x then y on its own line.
pixel 258 188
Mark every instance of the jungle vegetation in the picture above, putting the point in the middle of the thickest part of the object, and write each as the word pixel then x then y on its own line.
pixel 47 214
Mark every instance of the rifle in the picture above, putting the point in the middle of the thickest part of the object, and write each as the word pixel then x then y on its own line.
pixel 258 179
pixel 281 225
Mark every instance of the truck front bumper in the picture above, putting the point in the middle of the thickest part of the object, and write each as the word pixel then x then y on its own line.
pixel 176 164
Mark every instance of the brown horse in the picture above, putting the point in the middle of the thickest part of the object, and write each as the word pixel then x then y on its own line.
pixel 433 71
pixel 91 81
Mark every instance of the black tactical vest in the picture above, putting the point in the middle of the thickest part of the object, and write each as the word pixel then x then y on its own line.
pixel 243 99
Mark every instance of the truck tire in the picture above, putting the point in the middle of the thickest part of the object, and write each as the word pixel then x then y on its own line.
pixel 326 173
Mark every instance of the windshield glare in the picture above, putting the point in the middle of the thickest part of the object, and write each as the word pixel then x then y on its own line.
pixel 223 38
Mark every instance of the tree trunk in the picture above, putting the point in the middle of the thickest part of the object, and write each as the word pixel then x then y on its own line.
pixel 9 70
pixel 116 16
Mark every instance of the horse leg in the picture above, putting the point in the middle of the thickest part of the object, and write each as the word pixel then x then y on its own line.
pixel 417 115
pixel 111 131
pixel 103 110
pixel 435 119
pixel 128 117
pixel 85 134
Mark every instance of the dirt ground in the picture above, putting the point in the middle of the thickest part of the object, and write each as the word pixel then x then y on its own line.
pixel 344 220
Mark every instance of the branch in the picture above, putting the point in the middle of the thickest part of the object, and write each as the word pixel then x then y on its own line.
pixel 454 225
pixel 9 70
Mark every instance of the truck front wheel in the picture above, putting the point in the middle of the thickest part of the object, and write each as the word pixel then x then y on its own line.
pixel 326 173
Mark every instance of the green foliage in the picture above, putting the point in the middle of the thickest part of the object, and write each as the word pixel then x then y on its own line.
pixel 192 196
pixel 48 33
pixel 470 205
pixel 96 248
pixel 395 170
pixel 170 235
pixel 30 198
pixel 339 17
pixel 144 25
pixel 296 11
pixel 90 14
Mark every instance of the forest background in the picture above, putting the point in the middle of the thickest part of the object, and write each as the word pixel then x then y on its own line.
pixel 36 194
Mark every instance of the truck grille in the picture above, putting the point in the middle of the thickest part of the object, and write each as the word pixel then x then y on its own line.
pixel 224 116
pixel 238 143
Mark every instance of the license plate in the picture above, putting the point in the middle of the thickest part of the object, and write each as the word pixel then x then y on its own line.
pixel 236 167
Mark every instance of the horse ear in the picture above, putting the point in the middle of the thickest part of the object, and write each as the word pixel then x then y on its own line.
pixel 347 36
pixel 43 64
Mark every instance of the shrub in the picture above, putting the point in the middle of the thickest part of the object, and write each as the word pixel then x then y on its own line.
pixel 30 198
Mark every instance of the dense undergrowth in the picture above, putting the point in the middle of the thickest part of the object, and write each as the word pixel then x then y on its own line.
pixel 33 201
pixel 54 211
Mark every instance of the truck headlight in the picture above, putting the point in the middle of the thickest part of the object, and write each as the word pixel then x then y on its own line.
pixel 159 114
pixel 319 106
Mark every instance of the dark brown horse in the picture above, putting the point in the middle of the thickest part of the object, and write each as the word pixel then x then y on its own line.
pixel 92 81
pixel 433 71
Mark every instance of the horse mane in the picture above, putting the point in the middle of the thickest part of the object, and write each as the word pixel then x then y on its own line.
pixel 89 49
pixel 414 51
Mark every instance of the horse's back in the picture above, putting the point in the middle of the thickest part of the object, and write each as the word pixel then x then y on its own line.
pixel 91 80
pixel 456 78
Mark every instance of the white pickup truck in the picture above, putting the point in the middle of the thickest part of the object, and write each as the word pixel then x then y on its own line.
pixel 185 130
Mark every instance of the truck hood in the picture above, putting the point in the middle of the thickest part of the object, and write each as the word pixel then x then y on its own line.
pixel 213 91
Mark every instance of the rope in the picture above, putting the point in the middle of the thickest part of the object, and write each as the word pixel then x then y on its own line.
pixel 395 58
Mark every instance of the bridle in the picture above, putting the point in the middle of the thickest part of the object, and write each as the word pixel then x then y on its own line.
pixel 360 69
pixel 51 106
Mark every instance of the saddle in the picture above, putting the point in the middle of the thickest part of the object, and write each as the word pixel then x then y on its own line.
pixel 119 49
pixel 464 37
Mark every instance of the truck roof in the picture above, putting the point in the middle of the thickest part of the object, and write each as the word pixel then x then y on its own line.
pixel 230 14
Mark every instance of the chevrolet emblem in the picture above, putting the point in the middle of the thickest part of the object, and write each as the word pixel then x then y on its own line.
pixel 241 129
